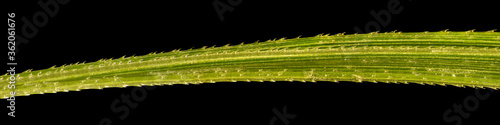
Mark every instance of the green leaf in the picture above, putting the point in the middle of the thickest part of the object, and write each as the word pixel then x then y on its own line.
pixel 443 58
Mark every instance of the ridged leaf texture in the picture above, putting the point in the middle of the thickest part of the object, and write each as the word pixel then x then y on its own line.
pixel 465 58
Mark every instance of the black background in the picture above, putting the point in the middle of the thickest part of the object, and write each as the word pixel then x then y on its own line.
pixel 89 30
